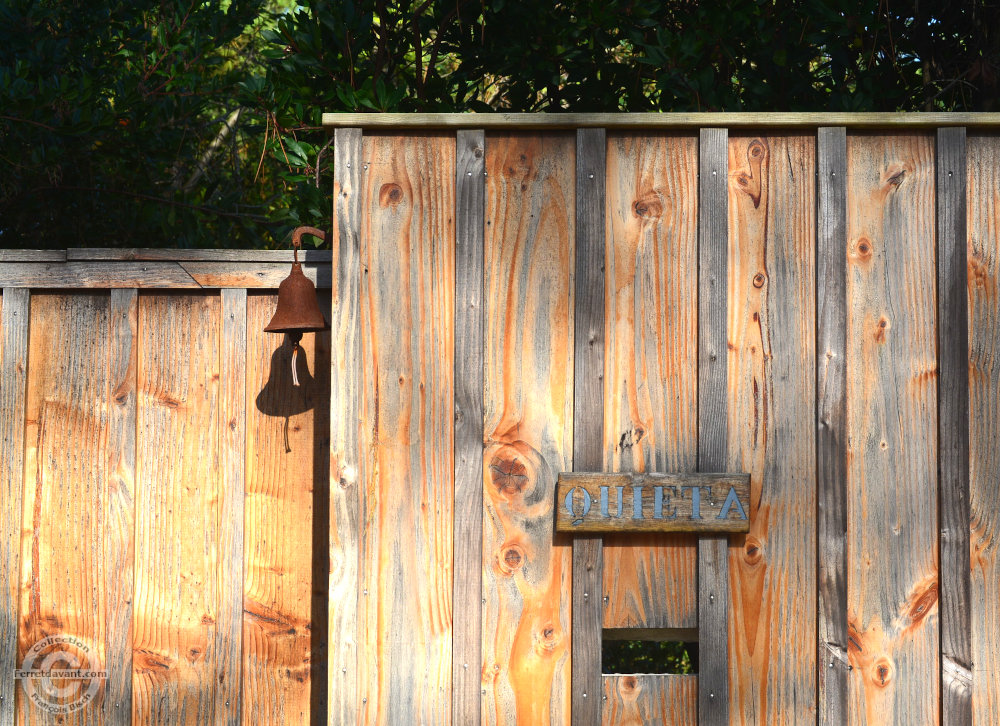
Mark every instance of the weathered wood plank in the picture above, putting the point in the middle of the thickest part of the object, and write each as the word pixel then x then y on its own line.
pixel 285 466
pixel 953 428
pixel 17 255
pixel 713 567
pixel 551 121
pixel 176 255
pixel 232 464
pixel 588 415
pixel 651 378
pixel 892 533
pixel 984 427
pixel 348 465
pixel 119 550
pixel 528 424
pixel 772 659
pixel 649 700
pixel 831 427
pixel 156 274
pixel 470 226
pixel 63 573
pixel 176 637
pixel 14 314
pixel 649 502
pixel 407 290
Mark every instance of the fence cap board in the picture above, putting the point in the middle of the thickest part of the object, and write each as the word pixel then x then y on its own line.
pixel 175 255
pixel 655 120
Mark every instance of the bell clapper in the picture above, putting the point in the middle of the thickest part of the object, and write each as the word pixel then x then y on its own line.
pixel 296 337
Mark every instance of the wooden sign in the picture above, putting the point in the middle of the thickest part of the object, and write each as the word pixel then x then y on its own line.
pixel 595 502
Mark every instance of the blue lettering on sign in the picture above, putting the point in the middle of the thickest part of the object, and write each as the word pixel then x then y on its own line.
pixel 732 499
pixel 696 500
pixel 604 501
pixel 636 502
pixel 569 505
pixel 658 504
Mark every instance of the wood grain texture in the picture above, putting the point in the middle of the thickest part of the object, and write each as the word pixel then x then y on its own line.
pixel 347 460
pixel 528 424
pixel 119 508
pixel 407 292
pixel 14 314
pixel 649 700
pixel 19 255
pixel 713 567
pixel 772 660
pixel 179 488
pixel 285 256
pixel 650 502
pixel 953 428
pixel 650 378
pixel 233 464
pixel 588 416
pixel 66 488
pixel 892 586
pixel 278 548
pixel 156 274
pixel 984 425
pixel 470 226
pixel 831 428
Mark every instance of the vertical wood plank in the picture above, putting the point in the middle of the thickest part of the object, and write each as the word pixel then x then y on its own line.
pixel 953 429
pixel 651 374
pixel 831 428
pixel 176 636
pixel 528 424
pixel 14 312
pixel 65 491
pixel 347 460
pixel 408 288
pixel 470 225
pixel 772 667
pixel 284 468
pixel 120 505
pixel 649 700
pixel 588 415
pixel 984 428
pixel 713 564
pixel 232 463
pixel 892 586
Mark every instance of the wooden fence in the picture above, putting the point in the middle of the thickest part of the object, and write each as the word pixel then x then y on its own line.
pixel 810 300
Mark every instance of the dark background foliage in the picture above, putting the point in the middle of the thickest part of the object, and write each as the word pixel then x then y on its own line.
pixel 196 124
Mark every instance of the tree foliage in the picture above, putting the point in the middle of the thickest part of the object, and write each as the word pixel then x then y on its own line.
pixel 199 124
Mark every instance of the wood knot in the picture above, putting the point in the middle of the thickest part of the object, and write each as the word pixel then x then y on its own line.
pixel 864 249
pixel 759 279
pixel 648 206
pixel 881 672
pixel 920 603
pixel 547 639
pixel 390 194
pixel 509 475
pixel 510 559
pixel 752 551
pixel 882 329
pixel 629 684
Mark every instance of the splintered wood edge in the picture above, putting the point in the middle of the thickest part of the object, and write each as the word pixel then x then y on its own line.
pixel 655 120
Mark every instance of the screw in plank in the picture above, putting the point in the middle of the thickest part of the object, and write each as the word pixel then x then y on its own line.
pixel 590 176
pixel 465 665
pixel 711 696
pixel 365 700
pixel 584 695
pixel 343 670
pixel 711 598
pixel 586 595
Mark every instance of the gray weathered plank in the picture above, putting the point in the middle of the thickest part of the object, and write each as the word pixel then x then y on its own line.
pixel 232 465
pixel 953 429
pixel 14 308
pixel 713 563
pixel 156 274
pixel 831 428
pixel 521 121
pixel 347 465
pixel 166 255
pixel 120 505
pixel 470 200
pixel 588 416
pixel 653 699
pixel 983 176
pixel 32 255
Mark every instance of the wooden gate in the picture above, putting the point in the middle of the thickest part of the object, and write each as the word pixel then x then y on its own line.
pixel 810 299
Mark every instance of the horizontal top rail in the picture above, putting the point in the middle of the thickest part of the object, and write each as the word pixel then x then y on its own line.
pixel 657 120
pixel 115 254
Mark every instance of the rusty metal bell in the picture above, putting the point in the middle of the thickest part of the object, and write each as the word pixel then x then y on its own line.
pixel 298 311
